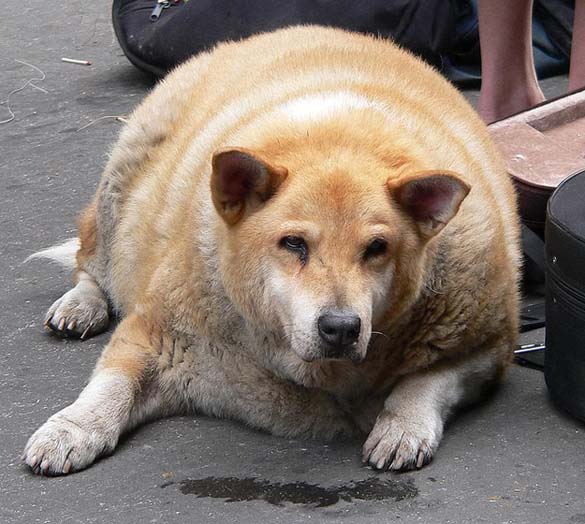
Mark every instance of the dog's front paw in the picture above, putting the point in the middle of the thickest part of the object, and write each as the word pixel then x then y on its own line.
pixel 65 444
pixel 401 442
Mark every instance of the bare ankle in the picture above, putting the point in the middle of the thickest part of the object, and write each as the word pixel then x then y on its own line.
pixel 502 101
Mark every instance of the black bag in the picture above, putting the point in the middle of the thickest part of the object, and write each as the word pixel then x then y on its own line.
pixel 185 28
pixel 565 295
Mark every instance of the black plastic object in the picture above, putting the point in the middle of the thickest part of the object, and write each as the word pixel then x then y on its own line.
pixel 183 29
pixel 565 295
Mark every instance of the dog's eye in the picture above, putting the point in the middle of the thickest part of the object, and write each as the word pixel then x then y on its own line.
pixel 376 248
pixel 297 245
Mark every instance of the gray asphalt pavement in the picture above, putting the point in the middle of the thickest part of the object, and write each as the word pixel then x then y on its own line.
pixel 515 459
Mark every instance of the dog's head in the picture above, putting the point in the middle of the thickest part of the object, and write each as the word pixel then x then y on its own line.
pixel 324 249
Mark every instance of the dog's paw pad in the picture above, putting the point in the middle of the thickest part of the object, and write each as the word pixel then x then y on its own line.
pixel 78 315
pixel 398 445
pixel 62 446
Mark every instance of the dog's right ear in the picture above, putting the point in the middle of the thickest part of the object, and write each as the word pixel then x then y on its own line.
pixel 241 182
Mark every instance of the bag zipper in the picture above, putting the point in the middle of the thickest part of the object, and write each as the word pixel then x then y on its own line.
pixel 160 6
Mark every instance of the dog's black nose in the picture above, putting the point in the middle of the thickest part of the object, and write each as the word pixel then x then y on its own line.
pixel 339 329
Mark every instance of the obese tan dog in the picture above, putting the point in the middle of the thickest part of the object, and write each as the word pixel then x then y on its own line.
pixel 308 231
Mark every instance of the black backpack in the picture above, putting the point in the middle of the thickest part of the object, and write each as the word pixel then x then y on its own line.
pixel 158 35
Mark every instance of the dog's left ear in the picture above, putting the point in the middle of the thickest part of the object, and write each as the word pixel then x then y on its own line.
pixel 241 182
pixel 430 198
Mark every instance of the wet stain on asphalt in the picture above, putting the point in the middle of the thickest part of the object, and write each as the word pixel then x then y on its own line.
pixel 233 489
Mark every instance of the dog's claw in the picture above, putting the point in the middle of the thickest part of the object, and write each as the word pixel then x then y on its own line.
pixel 44 467
pixel 420 461
pixel 398 463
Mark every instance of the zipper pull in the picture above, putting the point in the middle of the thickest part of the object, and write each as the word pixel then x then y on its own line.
pixel 158 9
